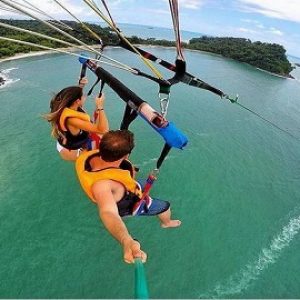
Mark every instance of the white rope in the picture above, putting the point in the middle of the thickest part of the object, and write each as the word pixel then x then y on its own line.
pixel 124 66
pixel 115 63
pixel 41 35
pixel 36 9
pixel 63 51
pixel 94 7
pixel 9 3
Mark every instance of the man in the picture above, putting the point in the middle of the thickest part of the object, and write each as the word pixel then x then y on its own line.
pixel 107 178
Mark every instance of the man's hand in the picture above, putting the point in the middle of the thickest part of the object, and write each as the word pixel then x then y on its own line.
pixel 132 250
pixel 109 214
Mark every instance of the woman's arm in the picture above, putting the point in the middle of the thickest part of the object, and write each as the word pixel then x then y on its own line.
pixel 101 124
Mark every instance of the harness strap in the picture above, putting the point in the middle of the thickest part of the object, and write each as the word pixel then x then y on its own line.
pixel 158 80
pixel 166 149
pixel 101 88
pixel 82 71
pixel 129 115
pixel 152 177
pixel 92 88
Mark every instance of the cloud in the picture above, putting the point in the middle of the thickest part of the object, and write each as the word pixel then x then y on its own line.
pixel 52 9
pixel 275 31
pixel 250 21
pixel 157 11
pixel 247 30
pixel 261 29
pixel 279 9
pixel 191 4
pixel 256 23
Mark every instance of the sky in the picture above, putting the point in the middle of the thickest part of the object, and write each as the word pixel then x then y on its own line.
pixel 274 21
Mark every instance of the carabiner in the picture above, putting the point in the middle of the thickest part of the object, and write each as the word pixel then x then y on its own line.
pixel 155 172
pixel 164 103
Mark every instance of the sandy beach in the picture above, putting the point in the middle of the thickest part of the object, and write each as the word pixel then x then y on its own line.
pixel 43 52
pixel 29 54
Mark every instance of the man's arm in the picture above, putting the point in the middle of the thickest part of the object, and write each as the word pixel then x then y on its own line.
pixel 108 212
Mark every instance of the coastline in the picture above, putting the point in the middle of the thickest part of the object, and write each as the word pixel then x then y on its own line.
pixel 276 75
pixel 3 79
pixel 41 52
pixel 25 55
pixel 44 52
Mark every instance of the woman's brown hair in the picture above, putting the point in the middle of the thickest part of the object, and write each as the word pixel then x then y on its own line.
pixel 65 98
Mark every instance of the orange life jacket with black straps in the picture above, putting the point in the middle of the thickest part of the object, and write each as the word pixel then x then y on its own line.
pixel 123 175
pixel 66 138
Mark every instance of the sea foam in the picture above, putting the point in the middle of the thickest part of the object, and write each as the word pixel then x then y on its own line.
pixel 8 80
pixel 242 280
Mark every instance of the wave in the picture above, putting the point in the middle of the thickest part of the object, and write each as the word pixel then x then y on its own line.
pixel 7 80
pixel 241 281
pixel 7 71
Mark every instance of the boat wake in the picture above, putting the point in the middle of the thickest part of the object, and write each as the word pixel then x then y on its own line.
pixel 152 161
pixel 241 280
pixel 5 79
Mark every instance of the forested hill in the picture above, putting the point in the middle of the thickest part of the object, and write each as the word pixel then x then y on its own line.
pixel 269 57
pixel 11 48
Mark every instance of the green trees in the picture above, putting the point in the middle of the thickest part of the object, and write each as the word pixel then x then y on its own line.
pixel 269 57
pixel 10 48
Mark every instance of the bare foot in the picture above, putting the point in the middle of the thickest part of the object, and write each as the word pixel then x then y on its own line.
pixel 170 224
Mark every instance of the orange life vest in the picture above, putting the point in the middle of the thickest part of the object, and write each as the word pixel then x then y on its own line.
pixel 88 178
pixel 66 138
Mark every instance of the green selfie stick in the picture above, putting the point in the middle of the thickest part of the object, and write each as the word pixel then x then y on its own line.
pixel 141 289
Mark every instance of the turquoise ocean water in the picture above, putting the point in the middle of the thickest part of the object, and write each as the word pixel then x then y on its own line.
pixel 235 187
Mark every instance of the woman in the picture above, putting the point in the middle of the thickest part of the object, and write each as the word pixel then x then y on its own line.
pixel 71 125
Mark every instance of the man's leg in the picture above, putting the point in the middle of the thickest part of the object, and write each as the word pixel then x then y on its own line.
pixel 166 221
pixel 161 209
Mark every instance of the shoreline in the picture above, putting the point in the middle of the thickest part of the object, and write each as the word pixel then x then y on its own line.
pixel 25 55
pixel 276 75
pixel 3 79
pixel 44 52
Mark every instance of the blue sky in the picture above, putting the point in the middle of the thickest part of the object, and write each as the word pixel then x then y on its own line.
pixel 275 21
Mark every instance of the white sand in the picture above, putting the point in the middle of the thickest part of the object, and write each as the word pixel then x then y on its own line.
pixel 29 54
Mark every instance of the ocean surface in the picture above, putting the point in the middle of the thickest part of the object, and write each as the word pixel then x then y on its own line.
pixel 235 187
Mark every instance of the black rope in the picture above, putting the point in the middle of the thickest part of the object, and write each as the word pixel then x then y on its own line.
pixel 266 120
pixel 166 149
pixel 107 10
